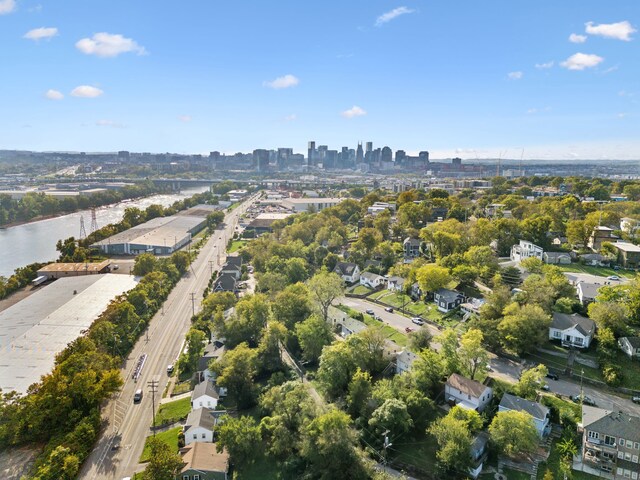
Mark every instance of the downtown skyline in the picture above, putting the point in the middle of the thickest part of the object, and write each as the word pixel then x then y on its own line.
pixel 559 81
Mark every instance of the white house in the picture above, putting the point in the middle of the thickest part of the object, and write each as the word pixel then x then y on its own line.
pixel 404 361
pixel 204 395
pixel 572 330
pixel 213 351
pixel 199 426
pixel 525 250
pixel 349 272
pixel 467 393
pixel 539 412
pixel 630 346
pixel 371 280
pixel 587 292
pixel 395 284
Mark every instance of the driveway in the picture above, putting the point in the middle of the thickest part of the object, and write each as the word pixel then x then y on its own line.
pixel 576 277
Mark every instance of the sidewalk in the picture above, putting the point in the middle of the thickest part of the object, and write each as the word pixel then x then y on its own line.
pixel 177 397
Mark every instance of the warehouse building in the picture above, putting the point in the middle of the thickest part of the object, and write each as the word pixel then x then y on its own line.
pixel 160 236
pixel 61 270
pixel 263 222
pixel 310 204
pixel 36 329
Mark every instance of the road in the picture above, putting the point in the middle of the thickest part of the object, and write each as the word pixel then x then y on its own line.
pixel 122 440
pixel 503 368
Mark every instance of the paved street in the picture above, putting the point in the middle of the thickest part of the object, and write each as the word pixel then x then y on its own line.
pixel 503 368
pixel 119 447
pixel 576 278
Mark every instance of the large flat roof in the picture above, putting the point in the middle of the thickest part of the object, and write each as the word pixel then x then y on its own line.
pixel 74 267
pixel 35 329
pixel 313 200
pixel 161 231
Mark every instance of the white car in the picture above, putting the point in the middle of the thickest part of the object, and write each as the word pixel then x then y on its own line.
pixel 417 321
pixel 613 277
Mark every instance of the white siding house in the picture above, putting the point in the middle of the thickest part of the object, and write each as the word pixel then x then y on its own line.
pixel 199 426
pixel 404 360
pixel 572 330
pixel 204 395
pixel 525 250
pixel 630 346
pixel 539 412
pixel 467 393
pixel 349 272
pixel 371 280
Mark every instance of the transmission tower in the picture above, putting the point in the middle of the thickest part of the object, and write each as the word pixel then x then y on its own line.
pixel 94 222
pixel 83 231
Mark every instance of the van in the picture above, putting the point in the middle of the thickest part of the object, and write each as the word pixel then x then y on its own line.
pixel 137 397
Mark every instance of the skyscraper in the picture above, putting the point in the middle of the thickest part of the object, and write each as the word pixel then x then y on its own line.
pixel 359 153
pixel 386 155
pixel 261 159
pixel 311 154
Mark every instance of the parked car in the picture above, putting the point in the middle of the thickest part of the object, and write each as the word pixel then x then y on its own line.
pixel 389 309
pixel 417 321
pixel 408 329
pixel 585 400
pixel 635 399
pixel 544 386
pixel 376 317
pixel 613 277
pixel 169 369
pixel 552 376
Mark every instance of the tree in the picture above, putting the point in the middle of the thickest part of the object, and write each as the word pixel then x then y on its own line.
pixel 249 321
pixel 368 239
pixel 449 345
pixel 420 339
pixel 236 372
pixel 181 260
pixel 579 232
pixel 240 436
pixel 431 277
pixel 214 219
pixel 269 347
pixel 195 347
pixel 292 305
pixel 164 463
pixel 473 356
pixel 313 335
pixel 530 381
pixel 359 394
pixel 523 328
pixel 454 442
pixel 325 288
pixel 391 416
pixel 514 433
pixel 612 315
pixel 428 371
pixel 337 367
pixel 145 263
pixel 532 264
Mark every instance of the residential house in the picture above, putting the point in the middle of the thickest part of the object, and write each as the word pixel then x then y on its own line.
pixel 447 300
pixel 630 346
pixel 479 453
pixel 556 258
pixel 349 272
pixel 611 442
pixel 524 250
pixel 411 247
pixel 199 426
pixel 213 351
pixel 371 280
pixel 225 283
pixel 205 395
pixel 628 254
pixel 559 240
pixel 539 412
pixel 467 393
pixel 234 260
pixel 404 361
pixel 600 235
pixel 230 268
pixel 349 326
pixel 631 226
pixel 595 260
pixel 587 292
pixel 572 330
pixel 201 461
pixel 395 284
pixel 472 306
pixel 416 291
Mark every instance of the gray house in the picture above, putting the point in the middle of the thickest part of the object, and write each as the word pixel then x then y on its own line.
pixel 538 412
pixel 447 300
pixel 630 346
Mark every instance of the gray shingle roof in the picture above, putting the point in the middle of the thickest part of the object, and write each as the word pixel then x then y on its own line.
pixel 466 385
pixel 211 351
pixel 633 341
pixel 200 417
pixel 414 242
pixel 535 409
pixel 450 296
pixel 345 268
pixel 204 388
pixel 618 424
pixel 589 290
pixel 563 321
pixel 370 276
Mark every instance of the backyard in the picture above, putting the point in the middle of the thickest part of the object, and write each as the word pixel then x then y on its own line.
pixel 173 411
pixel 600 271
pixel 236 245
pixel 170 437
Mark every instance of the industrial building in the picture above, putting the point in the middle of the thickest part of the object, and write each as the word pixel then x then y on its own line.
pixel 263 222
pixel 61 270
pixel 37 328
pixel 160 236
pixel 310 204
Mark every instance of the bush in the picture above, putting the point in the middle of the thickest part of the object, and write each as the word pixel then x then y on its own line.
pixel 612 374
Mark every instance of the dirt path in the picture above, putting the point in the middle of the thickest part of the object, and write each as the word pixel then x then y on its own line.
pixel 16 462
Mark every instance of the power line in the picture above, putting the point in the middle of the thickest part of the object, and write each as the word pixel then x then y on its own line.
pixel 153 385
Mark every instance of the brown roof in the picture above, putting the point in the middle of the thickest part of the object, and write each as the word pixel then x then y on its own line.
pixel 75 267
pixel 466 385
pixel 204 457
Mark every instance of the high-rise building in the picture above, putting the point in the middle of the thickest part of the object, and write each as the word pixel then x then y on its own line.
pixel 283 158
pixel 369 147
pixel 261 159
pixel 359 154
pixel 311 154
pixel 401 157
pixel 386 155
pixel 424 156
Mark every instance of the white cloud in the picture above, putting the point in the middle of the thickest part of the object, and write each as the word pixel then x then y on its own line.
pixel 532 111
pixel 283 82
pixel 515 75
pixel 109 123
pixel 618 31
pixel 86 91
pixel 54 95
pixel 35 9
pixel 543 66
pixel 580 61
pixel 390 15
pixel 40 33
pixel 184 118
pixel 622 115
pixel 108 45
pixel 7 6
pixel 575 38
pixel 354 111
pixel 290 118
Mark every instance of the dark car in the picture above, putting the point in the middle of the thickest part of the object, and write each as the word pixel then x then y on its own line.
pixel 552 376
pixel 370 312
pixel 585 400
pixel 389 309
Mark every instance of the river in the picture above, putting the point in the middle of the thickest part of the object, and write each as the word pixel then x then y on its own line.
pixel 36 241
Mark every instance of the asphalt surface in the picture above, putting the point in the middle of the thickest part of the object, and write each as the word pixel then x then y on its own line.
pixel 121 442
pixel 503 368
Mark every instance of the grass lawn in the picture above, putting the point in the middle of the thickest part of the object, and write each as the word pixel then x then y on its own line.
pixel 264 468
pixel 552 361
pixel 630 371
pixel 390 332
pixel 182 387
pixel 515 475
pixel 170 437
pixel 565 407
pixel 361 290
pixel 173 411
pixel 601 271
pixel 236 245
pixel 419 452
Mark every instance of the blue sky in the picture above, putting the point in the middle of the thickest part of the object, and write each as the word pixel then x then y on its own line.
pixel 467 78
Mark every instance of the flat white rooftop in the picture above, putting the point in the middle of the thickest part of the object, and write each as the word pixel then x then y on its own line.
pixel 35 329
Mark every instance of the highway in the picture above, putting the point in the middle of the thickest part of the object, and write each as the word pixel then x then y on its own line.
pixel 126 425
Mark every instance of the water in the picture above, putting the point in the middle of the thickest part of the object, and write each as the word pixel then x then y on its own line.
pixel 36 241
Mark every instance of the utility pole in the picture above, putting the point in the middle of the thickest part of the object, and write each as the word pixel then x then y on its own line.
pixel 153 385
pixel 193 304
pixel 211 267
pixel 386 445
